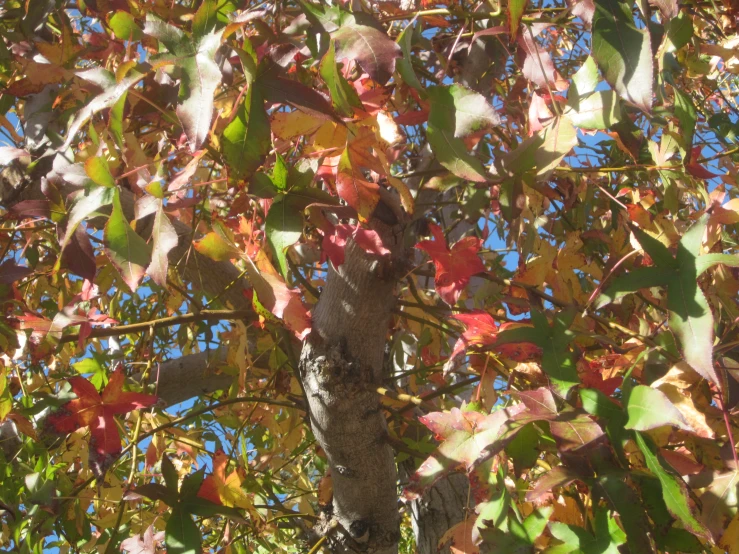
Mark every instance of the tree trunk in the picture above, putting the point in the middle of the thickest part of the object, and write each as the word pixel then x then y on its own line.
pixel 341 367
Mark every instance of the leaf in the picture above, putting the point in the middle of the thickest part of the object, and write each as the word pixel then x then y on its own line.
pixel 143 545
pixel 631 282
pixel 557 361
pixel 649 408
pixel 124 26
pixel 608 536
pixel 97 169
pixel 85 204
pixel 573 431
pixel 559 476
pixel 690 315
pixel 201 75
pixel 216 247
pixel 8 154
pixel 595 110
pixel 455 113
pixel 209 15
pixel 686 115
pixel 311 103
pixel 94 410
pixel 468 437
pixel 543 151
pixel 480 330
pixel 519 538
pixel 274 295
pixel 361 38
pixel 6 399
pixel 352 186
pixel 538 65
pixel 284 227
pixel 461 111
pixel 335 242
pixel 720 501
pixel 516 9
pixel 127 250
pixel 674 490
pixel 454 266
pixel 247 139
pixel 623 52
pixel 164 239
pixel 112 92
pixel 222 488
pixel 343 95
pixel 612 486
pixel 182 536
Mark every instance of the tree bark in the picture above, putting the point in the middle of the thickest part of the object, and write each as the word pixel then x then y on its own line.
pixel 341 366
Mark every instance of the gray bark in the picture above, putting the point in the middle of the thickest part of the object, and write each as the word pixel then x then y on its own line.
pixel 341 366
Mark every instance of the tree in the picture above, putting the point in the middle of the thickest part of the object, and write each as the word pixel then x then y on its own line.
pixel 369 276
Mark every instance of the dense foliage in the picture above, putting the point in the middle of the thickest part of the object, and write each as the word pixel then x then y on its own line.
pixel 179 177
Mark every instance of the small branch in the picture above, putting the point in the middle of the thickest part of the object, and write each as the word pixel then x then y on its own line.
pixel 204 315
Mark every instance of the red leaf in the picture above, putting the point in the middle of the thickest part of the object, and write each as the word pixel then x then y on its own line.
pixel 481 331
pixel 334 242
pixel 455 266
pixel 91 409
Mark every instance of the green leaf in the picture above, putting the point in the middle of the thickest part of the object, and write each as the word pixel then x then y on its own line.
pixel 596 110
pixel 679 32
pixel 608 536
pixel 536 522
pixel 171 479
pixel 205 508
pixel 674 491
pixel 343 95
pixel 544 150
pixel 124 26
pixel 115 123
pixel 155 491
pixel 247 139
pixel 98 170
pixel 200 78
pixel 191 485
pixel 633 281
pixel 623 52
pixel 612 486
pixel 209 15
pixel 181 535
pixel 659 253
pixel 460 110
pixel 586 79
pixel 6 399
pixel 284 227
pixel 404 65
pixel 516 9
pixel 707 261
pixel 556 361
pixel 650 408
pixel 451 152
pixel 686 115
pixel 455 113
pixel 216 247
pixel 127 250
pixel 691 319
